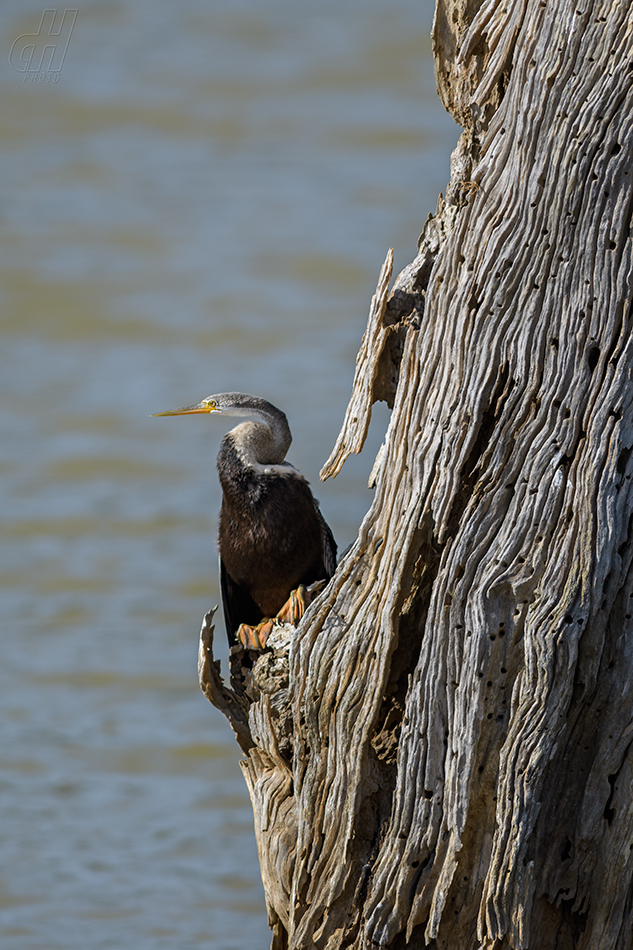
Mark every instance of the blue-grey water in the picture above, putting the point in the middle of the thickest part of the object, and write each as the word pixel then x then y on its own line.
pixel 198 200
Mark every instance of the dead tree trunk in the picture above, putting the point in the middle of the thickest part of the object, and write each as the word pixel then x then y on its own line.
pixel 445 756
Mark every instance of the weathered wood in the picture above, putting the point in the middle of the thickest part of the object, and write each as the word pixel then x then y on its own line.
pixel 450 760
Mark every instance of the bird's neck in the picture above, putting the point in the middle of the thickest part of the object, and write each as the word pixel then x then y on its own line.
pixel 255 449
pixel 258 444
pixel 264 442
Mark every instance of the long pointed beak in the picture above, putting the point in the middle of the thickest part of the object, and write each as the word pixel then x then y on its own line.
pixel 188 410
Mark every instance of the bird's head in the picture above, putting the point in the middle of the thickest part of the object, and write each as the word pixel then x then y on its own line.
pixel 241 404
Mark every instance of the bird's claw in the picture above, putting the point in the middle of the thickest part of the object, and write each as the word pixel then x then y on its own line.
pixel 254 638
pixel 294 608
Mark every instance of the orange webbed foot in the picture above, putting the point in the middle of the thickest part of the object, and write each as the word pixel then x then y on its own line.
pixel 254 638
pixel 294 608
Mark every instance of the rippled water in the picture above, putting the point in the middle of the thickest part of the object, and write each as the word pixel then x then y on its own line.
pixel 200 201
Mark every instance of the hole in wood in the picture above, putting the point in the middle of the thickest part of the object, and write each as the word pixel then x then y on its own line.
pixel 565 851
pixel 592 357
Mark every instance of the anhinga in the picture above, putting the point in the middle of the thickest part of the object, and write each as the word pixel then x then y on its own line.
pixel 273 538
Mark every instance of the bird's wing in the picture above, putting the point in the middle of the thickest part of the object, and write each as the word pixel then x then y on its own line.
pixel 227 603
pixel 239 606
pixel 328 545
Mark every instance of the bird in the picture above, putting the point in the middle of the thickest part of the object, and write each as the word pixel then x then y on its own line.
pixel 273 541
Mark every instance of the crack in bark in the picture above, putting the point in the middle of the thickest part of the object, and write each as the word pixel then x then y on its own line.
pixel 471 469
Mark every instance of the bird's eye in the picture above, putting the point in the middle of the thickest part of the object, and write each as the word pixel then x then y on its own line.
pixel 211 403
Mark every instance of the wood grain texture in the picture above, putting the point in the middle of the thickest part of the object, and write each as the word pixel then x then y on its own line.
pixel 447 757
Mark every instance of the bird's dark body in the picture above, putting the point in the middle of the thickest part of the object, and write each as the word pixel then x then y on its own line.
pixel 272 538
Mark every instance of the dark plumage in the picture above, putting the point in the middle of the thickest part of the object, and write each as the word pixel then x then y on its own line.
pixel 272 535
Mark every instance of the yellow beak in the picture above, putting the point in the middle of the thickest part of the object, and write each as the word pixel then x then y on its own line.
pixel 188 410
